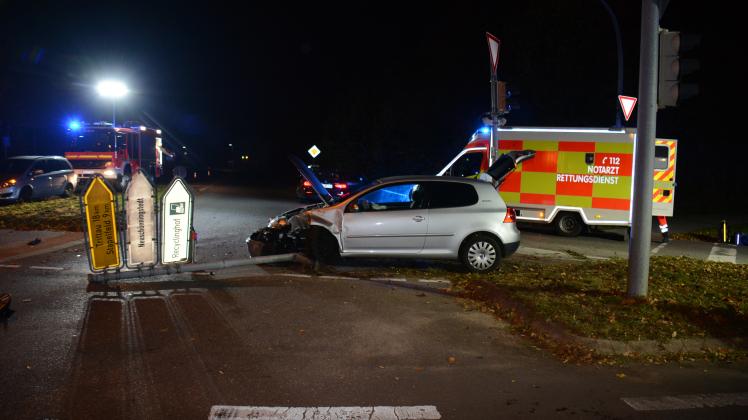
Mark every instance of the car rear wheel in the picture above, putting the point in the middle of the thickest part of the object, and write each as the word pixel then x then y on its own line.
pixel 568 224
pixel 480 253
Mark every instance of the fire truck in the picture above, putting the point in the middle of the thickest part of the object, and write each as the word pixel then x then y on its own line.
pixel 114 152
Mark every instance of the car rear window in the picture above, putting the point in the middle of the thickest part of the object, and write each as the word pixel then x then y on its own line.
pixel 451 194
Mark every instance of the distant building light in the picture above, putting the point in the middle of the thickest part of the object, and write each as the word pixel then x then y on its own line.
pixel 142 128
pixel 158 131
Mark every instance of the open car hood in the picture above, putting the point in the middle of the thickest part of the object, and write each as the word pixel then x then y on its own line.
pixel 507 163
pixel 308 175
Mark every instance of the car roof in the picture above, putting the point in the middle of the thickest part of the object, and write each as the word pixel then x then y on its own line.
pixel 424 178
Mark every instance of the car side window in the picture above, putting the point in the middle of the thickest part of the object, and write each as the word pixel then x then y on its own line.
pixel 391 197
pixel 451 194
pixel 468 165
pixel 39 165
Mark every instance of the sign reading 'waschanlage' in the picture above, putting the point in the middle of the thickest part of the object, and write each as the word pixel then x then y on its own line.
pixel 140 236
pixel 176 222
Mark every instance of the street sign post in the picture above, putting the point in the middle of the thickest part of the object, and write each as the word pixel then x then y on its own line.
pixel 140 215
pixel 102 236
pixel 493 52
pixel 176 223
pixel 627 105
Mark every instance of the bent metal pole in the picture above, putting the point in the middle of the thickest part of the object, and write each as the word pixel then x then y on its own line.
pixel 641 210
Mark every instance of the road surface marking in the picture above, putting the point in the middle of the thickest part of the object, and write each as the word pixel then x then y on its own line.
pixel 434 281
pixel 41 267
pixel 295 275
pixel 723 254
pixel 659 247
pixel 400 279
pixel 682 402
pixel 417 412
pixel 10 266
pixel 542 252
pixel 338 278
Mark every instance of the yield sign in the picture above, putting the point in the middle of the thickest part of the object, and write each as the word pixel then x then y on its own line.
pixel 493 50
pixel 627 105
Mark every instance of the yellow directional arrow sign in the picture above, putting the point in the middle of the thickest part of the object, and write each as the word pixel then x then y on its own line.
pixel 101 223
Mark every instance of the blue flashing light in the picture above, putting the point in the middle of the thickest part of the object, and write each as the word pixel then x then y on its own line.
pixel 485 130
pixel 74 125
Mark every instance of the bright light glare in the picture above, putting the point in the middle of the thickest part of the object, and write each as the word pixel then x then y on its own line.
pixel 485 130
pixel 112 89
pixel 74 125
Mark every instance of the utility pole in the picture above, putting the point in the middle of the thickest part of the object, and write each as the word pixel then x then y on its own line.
pixel 641 211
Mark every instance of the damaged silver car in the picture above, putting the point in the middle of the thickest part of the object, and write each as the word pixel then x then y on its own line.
pixel 410 217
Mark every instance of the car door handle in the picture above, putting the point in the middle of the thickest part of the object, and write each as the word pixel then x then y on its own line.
pixel 418 218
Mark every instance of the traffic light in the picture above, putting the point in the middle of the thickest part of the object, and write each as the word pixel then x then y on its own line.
pixel 505 95
pixel 671 89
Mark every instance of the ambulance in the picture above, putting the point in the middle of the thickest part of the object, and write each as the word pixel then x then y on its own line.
pixel 579 177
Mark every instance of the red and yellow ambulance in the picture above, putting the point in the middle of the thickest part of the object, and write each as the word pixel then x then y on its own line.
pixel 578 177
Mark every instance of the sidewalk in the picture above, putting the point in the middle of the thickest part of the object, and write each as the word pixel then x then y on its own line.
pixel 14 243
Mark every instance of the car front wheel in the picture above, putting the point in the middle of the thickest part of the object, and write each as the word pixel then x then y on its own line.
pixel 480 253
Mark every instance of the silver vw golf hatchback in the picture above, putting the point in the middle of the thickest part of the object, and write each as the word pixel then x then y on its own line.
pixel 409 217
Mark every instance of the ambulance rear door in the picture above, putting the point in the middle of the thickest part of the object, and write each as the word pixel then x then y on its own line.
pixel 663 192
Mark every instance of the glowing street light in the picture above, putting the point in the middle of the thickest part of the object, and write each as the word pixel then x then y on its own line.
pixel 112 89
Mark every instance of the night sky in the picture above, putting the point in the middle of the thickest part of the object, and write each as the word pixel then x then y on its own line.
pixel 382 88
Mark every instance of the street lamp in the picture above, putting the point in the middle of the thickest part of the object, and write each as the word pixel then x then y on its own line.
pixel 114 90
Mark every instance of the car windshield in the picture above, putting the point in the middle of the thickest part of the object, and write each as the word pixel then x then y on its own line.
pixel 15 166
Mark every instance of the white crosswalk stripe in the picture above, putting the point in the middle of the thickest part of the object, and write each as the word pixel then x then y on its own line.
pixel 682 402
pixel 418 412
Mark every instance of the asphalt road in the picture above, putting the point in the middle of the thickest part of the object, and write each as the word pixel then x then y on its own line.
pixel 279 337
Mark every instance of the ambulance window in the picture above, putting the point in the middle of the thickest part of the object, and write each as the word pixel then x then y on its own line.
pixel 467 165
pixel 661 157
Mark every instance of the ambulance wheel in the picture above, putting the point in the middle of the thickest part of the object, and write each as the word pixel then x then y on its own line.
pixel 568 224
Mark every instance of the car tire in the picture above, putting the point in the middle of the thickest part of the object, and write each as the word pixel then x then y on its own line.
pixel 480 253
pixel 25 195
pixel 568 224
pixel 321 246
pixel 68 191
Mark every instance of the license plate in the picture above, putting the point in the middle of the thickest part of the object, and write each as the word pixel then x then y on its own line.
pixel 327 185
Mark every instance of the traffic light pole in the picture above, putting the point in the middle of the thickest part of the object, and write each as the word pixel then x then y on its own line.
pixel 641 217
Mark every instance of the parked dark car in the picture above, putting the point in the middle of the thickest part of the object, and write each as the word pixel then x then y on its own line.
pixel 23 178
pixel 336 183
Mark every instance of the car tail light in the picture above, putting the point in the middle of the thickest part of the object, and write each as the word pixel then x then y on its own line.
pixel 307 184
pixel 511 216
pixel 340 185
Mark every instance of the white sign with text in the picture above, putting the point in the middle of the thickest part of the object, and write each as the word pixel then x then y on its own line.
pixel 176 223
pixel 140 235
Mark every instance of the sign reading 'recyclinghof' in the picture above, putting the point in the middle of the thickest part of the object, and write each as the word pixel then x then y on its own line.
pixel 101 226
pixel 140 235
pixel 176 221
